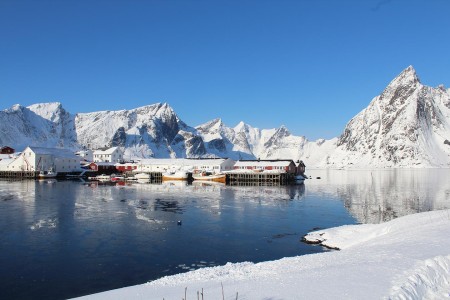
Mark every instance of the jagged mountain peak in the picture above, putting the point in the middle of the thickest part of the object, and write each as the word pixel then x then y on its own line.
pixel 213 125
pixel 407 77
pixel 51 111
pixel 244 127
pixel 406 125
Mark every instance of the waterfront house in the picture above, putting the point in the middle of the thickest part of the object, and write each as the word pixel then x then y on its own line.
pixel 212 165
pixel 266 165
pixel 35 159
pixel 186 164
pixel 86 155
pixel 6 150
pixel 300 167
pixel 114 154
pixel 103 167
pixel 162 165
pixel 126 167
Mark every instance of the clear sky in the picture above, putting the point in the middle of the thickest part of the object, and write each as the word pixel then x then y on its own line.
pixel 310 65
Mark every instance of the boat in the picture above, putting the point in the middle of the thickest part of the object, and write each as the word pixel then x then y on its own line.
pixel 47 174
pixel 116 178
pixel 142 176
pixel 175 175
pixel 299 179
pixel 103 178
pixel 205 176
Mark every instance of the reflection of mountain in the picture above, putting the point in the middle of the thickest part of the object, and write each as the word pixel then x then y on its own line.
pixel 269 193
pixel 381 195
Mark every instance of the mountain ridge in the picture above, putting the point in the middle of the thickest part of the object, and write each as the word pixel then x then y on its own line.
pixel 407 125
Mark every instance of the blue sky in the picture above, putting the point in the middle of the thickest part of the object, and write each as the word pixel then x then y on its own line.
pixel 308 65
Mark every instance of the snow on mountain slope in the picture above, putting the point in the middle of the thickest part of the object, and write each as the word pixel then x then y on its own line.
pixel 46 124
pixel 148 131
pixel 223 141
pixel 406 126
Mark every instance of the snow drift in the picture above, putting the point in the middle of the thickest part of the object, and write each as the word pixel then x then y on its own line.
pixel 406 258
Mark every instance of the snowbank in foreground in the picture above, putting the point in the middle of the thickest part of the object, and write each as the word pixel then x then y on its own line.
pixel 407 258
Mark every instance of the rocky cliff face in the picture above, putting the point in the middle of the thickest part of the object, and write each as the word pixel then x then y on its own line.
pixel 40 125
pixel 407 125
pixel 149 131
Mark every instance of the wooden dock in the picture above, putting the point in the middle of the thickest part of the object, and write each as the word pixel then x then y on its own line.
pixel 236 178
pixel 19 174
pixel 241 178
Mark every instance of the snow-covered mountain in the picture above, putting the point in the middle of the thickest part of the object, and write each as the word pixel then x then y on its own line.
pixel 408 125
pixel 45 124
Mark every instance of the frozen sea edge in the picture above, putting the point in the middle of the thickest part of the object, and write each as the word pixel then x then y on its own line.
pixel 406 258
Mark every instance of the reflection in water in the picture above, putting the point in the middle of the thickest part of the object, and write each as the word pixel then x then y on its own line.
pixel 381 195
pixel 62 239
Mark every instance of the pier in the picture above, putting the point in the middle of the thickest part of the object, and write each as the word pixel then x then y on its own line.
pixel 19 174
pixel 232 178
pixel 262 178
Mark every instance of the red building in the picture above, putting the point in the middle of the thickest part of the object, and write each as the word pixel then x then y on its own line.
pixel 6 150
pixel 103 167
pixel 271 165
pixel 126 167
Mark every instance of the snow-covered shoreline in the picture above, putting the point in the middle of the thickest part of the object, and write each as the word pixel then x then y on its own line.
pixel 406 258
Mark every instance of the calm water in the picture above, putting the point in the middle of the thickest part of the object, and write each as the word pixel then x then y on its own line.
pixel 61 239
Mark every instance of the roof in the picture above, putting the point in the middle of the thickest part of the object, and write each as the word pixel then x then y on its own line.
pixel 102 163
pixel 181 161
pixel 58 152
pixel 6 161
pixel 107 151
pixel 6 147
pixel 275 163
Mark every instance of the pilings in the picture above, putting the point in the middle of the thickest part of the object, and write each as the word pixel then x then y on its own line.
pixel 237 178
pixel 241 178
pixel 19 174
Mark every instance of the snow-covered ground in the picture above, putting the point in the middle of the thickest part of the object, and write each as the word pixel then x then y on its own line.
pixel 406 258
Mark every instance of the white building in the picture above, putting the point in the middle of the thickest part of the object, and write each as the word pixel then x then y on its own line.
pixel 44 159
pixel 87 155
pixel 114 154
pixel 272 166
pixel 191 165
pixel 213 165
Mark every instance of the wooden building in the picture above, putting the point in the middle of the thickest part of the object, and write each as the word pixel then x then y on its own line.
pixel 35 159
pixel 6 150
pixel 114 155
pixel 266 165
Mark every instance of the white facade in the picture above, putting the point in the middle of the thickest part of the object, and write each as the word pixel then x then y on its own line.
pixel 160 165
pixel 114 154
pixel 273 166
pixel 190 165
pixel 87 155
pixel 45 159
pixel 213 165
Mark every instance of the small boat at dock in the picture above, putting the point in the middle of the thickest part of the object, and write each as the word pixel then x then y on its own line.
pixel 175 175
pixel 205 176
pixel 102 178
pixel 47 174
pixel 142 176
